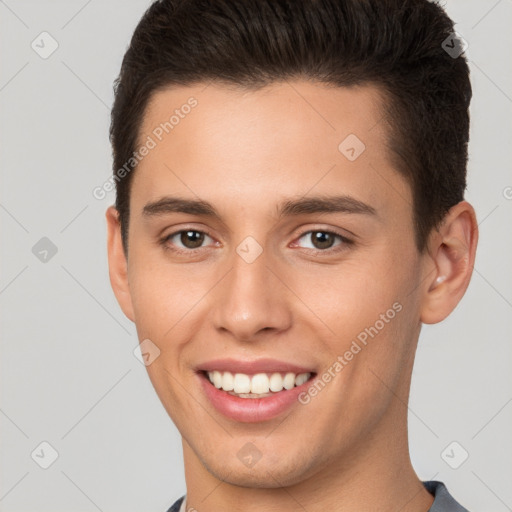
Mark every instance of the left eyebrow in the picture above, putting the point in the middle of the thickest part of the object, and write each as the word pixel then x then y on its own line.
pixel 328 204
pixel 289 208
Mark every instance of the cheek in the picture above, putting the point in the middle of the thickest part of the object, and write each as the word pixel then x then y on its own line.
pixel 161 300
pixel 348 297
pixel 364 312
pixel 161 294
pixel 388 325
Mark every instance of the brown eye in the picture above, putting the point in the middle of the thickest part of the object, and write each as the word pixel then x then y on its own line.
pixel 191 239
pixel 185 240
pixel 322 240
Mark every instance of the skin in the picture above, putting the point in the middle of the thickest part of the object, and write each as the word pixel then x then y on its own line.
pixel 245 152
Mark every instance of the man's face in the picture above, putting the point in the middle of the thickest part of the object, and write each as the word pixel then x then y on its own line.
pixel 299 286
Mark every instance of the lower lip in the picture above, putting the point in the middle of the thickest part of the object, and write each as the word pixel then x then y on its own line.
pixel 252 410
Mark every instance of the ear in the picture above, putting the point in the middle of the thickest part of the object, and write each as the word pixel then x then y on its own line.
pixel 118 264
pixel 452 250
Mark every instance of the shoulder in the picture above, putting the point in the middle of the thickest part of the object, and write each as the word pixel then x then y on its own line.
pixel 443 500
pixel 176 506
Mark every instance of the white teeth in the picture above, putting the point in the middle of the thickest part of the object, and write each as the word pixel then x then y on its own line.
pixel 247 386
pixel 242 383
pixel 217 379
pixel 259 383
pixel 228 381
pixel 289 381
pixel 276 382
pixel 301 378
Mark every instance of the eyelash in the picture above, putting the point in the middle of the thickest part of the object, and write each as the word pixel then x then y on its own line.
pixel 346 241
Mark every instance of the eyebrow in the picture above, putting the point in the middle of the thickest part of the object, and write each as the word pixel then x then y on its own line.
pixel 289 208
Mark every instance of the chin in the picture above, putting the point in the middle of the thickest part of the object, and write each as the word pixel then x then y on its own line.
pixel 263 475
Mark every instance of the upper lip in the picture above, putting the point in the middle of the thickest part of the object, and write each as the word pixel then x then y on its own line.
pixel 265 365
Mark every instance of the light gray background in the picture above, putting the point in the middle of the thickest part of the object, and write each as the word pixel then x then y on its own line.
pixel 68 373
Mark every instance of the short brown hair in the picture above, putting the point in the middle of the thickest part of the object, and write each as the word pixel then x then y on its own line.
pixel 396 45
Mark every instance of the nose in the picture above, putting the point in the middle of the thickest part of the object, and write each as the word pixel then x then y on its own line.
pixel 251 300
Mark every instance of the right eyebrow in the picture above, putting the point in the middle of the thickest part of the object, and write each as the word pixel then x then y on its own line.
pixel 179 205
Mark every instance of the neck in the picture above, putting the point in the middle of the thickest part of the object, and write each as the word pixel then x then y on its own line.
pixel 376 474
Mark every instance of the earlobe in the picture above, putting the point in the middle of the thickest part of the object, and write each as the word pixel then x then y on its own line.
pixel 452 250
pixel 117 263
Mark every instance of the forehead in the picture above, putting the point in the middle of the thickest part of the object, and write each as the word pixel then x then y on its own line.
pixel 283 139
pixel 281 108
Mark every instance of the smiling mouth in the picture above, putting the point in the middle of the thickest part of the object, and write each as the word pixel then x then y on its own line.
pixel 259 385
